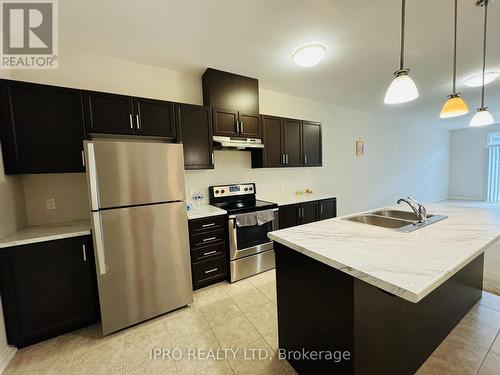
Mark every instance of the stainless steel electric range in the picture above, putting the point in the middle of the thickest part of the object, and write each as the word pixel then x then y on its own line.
pixel 249 221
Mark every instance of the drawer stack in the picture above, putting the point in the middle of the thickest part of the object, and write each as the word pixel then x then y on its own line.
pixel 207 238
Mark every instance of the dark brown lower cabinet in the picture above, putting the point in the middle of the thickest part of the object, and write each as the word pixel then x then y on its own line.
pixel 48 288
pixel 207 239
pixel 307 212
pixel 327 209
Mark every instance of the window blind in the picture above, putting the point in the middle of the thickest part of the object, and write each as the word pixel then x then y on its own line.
pixel 493 193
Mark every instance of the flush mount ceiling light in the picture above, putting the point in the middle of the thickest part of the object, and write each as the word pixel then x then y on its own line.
pixel 402 89
pixel 476 80
pixel 455 106
pixel 482 116
pixel 309 55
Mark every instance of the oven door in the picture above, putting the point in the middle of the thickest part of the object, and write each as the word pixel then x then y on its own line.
pixel 249 240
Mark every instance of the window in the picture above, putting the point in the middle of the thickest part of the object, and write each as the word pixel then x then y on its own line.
pixel 493 145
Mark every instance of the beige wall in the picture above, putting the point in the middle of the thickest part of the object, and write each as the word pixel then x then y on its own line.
pixel 69 190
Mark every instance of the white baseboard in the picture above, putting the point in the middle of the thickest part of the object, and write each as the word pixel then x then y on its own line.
pixel 440 199
pixel 5 357
pixel 459 198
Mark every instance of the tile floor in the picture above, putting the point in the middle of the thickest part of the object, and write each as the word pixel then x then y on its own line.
pixel 240 315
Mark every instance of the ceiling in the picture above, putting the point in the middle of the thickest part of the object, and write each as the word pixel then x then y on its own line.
pixel 257 37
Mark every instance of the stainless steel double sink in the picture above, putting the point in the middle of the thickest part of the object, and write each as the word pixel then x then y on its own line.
pixel 401 221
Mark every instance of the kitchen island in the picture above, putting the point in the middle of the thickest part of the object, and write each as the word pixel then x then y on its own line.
pixel 378 300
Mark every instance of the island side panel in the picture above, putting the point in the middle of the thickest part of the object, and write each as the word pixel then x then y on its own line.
pixel 395 336
pixel 315 311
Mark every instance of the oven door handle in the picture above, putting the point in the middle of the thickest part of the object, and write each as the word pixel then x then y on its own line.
pixel 234 216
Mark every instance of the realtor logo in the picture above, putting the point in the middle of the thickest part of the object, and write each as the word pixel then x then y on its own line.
pixel 29 34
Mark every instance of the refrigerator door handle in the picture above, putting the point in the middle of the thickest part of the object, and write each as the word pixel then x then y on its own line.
pixel 99 243
pixel 92 176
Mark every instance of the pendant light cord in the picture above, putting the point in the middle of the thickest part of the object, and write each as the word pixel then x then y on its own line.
pixel 402 57
pixel 484 49
pixel 455 50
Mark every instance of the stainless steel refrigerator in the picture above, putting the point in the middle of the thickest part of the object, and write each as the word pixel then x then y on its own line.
pixel 139 226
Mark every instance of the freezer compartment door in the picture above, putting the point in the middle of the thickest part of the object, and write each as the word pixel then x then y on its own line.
pixel 133 173
pixel 142 262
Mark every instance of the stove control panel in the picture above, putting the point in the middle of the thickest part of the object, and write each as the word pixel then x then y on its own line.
pixel 231 190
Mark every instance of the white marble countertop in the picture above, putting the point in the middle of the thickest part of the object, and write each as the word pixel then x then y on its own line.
pixel 285 199
pixel 204 211
pixel 41 233
pixel 409 265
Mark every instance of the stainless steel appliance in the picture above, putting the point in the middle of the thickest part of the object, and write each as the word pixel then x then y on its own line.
pixel 250 250
pixel 237 143
pixel 140 232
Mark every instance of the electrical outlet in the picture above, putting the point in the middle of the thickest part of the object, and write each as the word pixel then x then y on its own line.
pixel 50 203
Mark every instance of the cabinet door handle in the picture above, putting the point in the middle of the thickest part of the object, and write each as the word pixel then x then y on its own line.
pixel 131 121
pixel 286 157
pixel 138 120
pixel 83 158
pixel 300 212
pixel 84 253
pixel 305 158
pixel 208 225
pixel 282 158
pixel 212 270
pixel 321 208
pixel 212 158
pixel 209 239
pixel 241 126
pixel 237 126
pixel 210 253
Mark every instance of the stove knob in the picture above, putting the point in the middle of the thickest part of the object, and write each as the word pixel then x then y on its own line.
pixel 222 191
pixel 246 189
pixel 216 191
pixel 250 188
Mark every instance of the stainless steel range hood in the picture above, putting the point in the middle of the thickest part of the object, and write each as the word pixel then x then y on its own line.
pixel 237 143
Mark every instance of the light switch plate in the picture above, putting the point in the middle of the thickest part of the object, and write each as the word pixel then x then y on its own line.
pixel 50 203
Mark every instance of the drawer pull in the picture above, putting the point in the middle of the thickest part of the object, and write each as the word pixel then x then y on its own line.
pixel 210 253
pixel 212 270
pixel 208 225
pixel 209 239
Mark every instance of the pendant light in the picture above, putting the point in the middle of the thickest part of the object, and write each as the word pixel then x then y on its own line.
pixel 402 89
pixel 482 116
pixel 455 106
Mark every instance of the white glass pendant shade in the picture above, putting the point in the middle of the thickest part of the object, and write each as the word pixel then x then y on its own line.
pixel 402 89
pixel 482 118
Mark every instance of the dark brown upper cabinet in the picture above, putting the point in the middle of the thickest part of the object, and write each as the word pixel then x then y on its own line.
pixel 154 117
pixel 235 100
pixel 42 128
pixel 226 122
pixel 124 115
pixel 292 142
pixel 250 125
pixel 108 113
pixel 229 123
pixel 288 143
pixel 311 141
pixel 195 132
pixel 230 91
pixel 272 156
